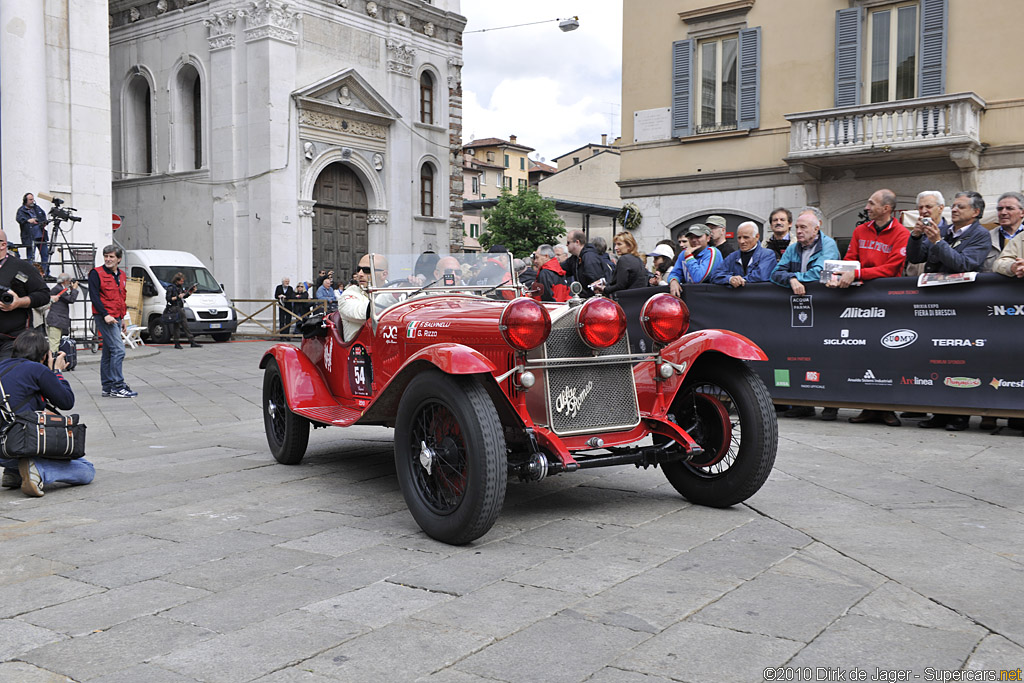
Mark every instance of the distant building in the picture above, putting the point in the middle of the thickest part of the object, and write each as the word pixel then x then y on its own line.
pixel 735 108
pixel 587 177
pixel 538 171
pixel 511 158
pixel 480 181
pixel 275 138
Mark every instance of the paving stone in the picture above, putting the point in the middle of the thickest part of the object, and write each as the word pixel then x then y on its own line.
pixel 334 542
pixel 869 644
pixel 294 674
pixel 897 603
pixel 470 569
pixel 398 652
pixel 995 653
pixel 377 605
pixel 611 674
pixel 236 607
pixel 21 672
pixel 818 562
pixel 595 567
pixel 782 606
pixel 499 609
pixel 77 553
pixel 120 647
pixel 248 653
pixel 363 567
pixel 26 567
pixel 691 526
pixel 235 570
pixel 698 652
pixel 568 534
pixel 42 592
pixel 17 637
pixel 451 675
pixel 302 523
pixel 547 661
pixel 101 611
pixel 144 672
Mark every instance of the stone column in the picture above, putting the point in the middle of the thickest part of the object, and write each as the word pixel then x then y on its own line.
pixel 455 189
pixel 25 151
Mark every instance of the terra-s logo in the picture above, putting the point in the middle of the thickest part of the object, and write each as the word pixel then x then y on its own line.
pixel 898 339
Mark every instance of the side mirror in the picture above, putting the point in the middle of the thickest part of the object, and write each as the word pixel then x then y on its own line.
pixel 221 287
pixel 148 289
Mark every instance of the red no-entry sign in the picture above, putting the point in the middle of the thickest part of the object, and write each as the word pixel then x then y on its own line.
pixel 116 222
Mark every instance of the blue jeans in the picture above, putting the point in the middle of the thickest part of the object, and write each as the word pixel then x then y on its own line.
pixel 30 250
pixel 71 472
pixel 111 375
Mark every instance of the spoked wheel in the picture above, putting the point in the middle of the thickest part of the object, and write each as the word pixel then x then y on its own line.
pixel 287 433
pixel 726 408
pixel 450 456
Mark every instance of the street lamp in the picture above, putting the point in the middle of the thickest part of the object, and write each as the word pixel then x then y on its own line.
pixel 566 25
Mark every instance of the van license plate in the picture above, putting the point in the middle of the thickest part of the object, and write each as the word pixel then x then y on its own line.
pixel 214 326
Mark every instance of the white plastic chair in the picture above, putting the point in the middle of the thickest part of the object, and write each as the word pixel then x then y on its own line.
pixel 132 334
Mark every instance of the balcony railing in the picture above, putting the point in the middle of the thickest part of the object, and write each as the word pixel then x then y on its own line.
pixel 939 121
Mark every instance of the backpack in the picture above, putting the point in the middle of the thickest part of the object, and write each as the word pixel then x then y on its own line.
pixel 70 349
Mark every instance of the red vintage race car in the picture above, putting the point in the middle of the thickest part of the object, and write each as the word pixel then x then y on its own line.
pixel 481 382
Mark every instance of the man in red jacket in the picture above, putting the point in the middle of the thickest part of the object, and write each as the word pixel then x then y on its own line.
pixel 108 292
pixel 881 247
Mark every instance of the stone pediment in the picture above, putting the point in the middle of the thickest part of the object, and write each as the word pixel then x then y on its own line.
pixel 346 93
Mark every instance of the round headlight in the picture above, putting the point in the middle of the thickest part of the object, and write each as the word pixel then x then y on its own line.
pixel 664 318
pixel 524 324
pixel 601 322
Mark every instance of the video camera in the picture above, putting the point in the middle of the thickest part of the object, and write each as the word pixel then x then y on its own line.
pixel 58 214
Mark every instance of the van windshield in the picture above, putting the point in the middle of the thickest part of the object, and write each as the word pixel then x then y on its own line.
pixel 193 275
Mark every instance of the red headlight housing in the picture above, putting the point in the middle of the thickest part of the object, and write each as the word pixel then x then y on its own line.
pixel 524 324
pixel 601 322
pixel 664 318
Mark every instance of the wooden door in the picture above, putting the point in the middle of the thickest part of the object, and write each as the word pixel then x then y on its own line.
pixel 339 222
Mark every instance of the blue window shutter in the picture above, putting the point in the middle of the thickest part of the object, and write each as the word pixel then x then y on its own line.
pixel 931 78
pixel 849 23
pixel 682 87
pixel 749 110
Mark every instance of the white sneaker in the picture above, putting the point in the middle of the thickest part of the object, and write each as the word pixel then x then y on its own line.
pixel 31 482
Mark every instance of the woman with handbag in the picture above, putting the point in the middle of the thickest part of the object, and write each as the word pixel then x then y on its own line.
pixel 31 381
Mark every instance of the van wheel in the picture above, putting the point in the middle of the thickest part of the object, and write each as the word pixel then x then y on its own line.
pixel 158 332
pixel 221 336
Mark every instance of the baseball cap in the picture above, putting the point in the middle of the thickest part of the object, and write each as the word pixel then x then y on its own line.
pixel 663 250
pixel 716 221
pixel 698 229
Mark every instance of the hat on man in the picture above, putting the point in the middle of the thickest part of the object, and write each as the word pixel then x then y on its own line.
pixel 497 249
pixel 663 250
pixel 698 229
pixel 716 221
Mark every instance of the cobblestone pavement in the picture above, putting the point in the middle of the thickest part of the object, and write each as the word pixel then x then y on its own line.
pixel 195 557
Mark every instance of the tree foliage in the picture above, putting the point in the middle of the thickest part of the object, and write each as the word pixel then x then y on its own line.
pixel 522 222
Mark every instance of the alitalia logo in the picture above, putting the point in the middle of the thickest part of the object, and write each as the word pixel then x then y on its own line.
pixel 854 312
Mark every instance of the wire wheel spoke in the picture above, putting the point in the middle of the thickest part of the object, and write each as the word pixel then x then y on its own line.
pixel 711 418
pixel 440 473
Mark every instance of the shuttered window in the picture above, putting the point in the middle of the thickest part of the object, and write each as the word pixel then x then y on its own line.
pixel 716 83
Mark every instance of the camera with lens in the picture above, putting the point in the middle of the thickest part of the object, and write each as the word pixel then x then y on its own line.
pixel 62 214
pixel 6 295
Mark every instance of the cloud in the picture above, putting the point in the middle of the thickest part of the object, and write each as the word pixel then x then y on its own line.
pixel 556 91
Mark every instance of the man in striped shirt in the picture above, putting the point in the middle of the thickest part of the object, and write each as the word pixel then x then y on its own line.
pixel 698 262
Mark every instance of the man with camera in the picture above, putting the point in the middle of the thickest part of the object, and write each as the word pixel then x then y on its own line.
pixel 58 318
pixel 33 220
pixel 21 289
pixel 108 292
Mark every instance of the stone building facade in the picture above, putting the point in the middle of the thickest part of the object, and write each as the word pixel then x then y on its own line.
pixel 275 138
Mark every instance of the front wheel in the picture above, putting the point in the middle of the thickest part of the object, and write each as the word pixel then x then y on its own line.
pixel 726 408
pixel 287 433
pixel 450 456
pixel 158 332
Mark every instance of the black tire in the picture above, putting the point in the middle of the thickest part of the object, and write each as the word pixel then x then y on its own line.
pixel 221 336
pixel 158 332
pixel 456 489
pixel 726 408
pixel 287 433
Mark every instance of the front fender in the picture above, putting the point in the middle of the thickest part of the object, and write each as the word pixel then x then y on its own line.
pixel 454 359
pixel 689 346
pixel 304 386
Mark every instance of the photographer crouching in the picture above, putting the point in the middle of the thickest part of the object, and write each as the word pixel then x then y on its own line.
pixel 33 381
pixel 21 289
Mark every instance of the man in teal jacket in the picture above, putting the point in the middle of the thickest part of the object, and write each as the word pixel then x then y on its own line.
pixel 803 260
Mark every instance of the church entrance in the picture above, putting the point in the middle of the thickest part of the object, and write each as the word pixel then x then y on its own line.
pixel 339 222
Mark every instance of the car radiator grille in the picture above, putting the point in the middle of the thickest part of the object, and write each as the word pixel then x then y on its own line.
pixel 212 315
pixel 588 398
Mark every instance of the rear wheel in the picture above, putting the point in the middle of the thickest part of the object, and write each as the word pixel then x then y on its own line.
pixel 287 433
pixel 725 407
pixel 450 456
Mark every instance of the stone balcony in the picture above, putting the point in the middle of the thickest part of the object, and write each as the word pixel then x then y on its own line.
pixel 941 126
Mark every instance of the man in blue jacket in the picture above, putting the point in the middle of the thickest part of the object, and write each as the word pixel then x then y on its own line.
pixel 32 220
pixel 750 263
pixel 803 260
pixel 698 262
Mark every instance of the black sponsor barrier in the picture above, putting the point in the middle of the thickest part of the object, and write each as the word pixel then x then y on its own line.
pixel 886 343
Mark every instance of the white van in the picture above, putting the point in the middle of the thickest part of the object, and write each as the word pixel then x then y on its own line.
pixel 207 311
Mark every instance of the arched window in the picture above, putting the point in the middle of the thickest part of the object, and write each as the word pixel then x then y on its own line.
pixel 188 119
pixel 426 98
pixel 138 127
pixel 426 190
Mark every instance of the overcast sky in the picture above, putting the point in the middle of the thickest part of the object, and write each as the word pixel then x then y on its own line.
pixel 556 91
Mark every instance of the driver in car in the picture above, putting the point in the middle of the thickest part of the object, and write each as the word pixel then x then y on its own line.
pixel 354 306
